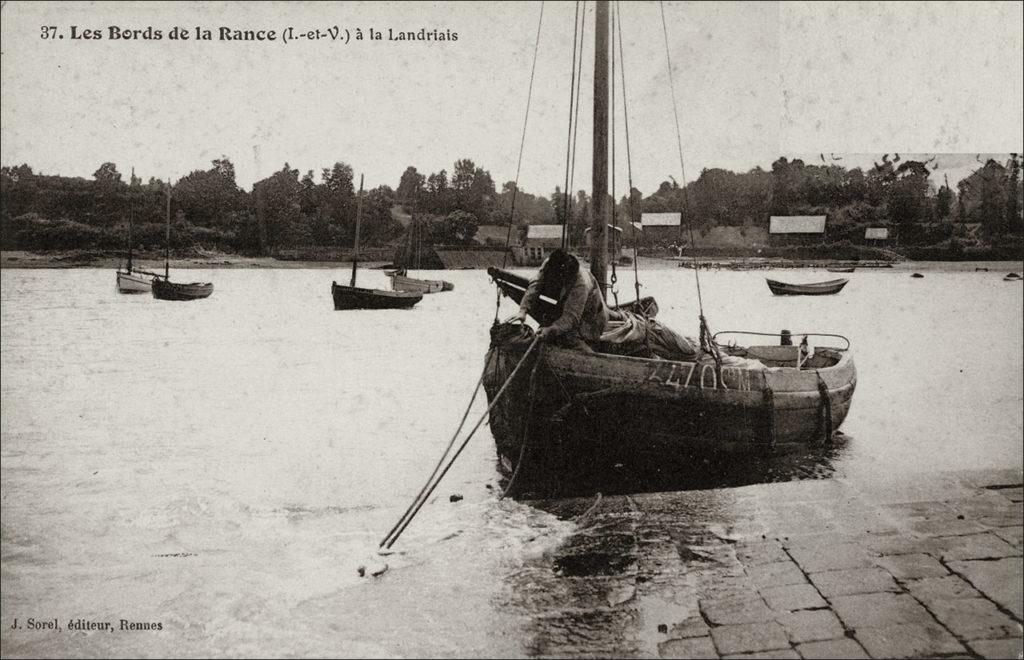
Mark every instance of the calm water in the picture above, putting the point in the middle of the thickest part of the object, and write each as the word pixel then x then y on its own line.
pixel 224 466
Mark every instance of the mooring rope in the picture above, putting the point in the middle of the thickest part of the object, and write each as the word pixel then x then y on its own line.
pixel 390 539
pixel 526 427
pixel 451 443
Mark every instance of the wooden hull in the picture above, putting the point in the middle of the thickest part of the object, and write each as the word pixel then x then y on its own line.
pixel 837 269
pixel 165 290
pixel 133 282
pixel 352 297
pixel 593 407
pixel 413 285
pixel 813 289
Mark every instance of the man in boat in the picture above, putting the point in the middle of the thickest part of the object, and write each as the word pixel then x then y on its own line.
pixel 584 314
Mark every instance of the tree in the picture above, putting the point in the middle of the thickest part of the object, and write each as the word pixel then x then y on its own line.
pixel 410 188
pixel 107 173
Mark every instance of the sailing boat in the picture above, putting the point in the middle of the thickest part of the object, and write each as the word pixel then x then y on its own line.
pixel 165 289
pixel 400 280
pixel 353 297
pixel 129 279
pixel 576 409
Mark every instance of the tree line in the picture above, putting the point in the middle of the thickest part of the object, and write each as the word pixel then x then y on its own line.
pixel 292 209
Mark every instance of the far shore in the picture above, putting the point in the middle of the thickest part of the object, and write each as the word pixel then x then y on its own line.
pixel 21 259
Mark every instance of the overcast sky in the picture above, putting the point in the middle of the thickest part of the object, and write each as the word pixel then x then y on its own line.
pixel 754 81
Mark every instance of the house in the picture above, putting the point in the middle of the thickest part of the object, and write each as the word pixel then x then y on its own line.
pixel 661 228
pixel 496 235
pixel 880 234
pixel 615 240
pixel 537 243
pixel 796 230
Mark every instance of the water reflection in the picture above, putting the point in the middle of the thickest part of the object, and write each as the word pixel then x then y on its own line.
pixel 548 472
pixel 634 569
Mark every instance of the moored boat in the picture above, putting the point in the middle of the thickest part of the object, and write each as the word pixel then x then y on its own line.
pixel 353 297
pixel 840 269
pixel 400 281
pixel 133 281
pixel 163 288
pixel 167 290
pixel 130 279
pixel 595 407
pixel 809 289
pixel 649 400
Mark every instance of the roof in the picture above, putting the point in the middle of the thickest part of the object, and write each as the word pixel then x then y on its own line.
pixel 544 231
pixel 660 219
pixel 797 224
pixel 612 227
pixel 876 233
pixel 497 234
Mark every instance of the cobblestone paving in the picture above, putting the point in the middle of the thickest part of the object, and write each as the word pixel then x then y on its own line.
pixel 929 566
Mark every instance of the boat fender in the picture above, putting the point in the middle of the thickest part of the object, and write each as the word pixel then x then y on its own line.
pixel 769 405
pixel 824 412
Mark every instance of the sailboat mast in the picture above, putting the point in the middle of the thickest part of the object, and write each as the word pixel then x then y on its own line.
pixel 167 245
pixel 131 213
pixel 359 219
pixel 599 223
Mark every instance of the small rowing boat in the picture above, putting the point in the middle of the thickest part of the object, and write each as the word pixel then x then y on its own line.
pixel 810 289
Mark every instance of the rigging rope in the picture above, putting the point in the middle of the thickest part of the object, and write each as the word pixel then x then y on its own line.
pixel 705 332
pixel 568 139
pixel 615 214
pixel 629 162
pixel 576 117
pixel 519 164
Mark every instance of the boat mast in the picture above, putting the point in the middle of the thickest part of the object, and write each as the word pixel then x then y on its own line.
pixel 131 211
pixel 359 218
pixel 598 222
pixel 167 245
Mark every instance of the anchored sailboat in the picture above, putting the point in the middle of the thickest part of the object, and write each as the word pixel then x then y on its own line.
pixel 353 297
pixel 569 408
pixel 165 289
pixel 400 280
pixel 130 279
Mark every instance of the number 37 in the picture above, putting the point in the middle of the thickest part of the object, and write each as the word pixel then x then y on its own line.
pixel 48 32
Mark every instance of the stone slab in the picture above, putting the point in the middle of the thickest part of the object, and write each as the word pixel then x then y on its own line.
pixel 851 581
pixel 942 588
pixel 974 618
pixel 776 574
pixel 829 557
pixel 811 625
pixel 908 640
pixel 736 610
pixel 877 610
pixel 695 647
pixel 912 566
pixel 832 649
pixel 999 648
pixel 999 580
pixel 749 638
pixel 793 597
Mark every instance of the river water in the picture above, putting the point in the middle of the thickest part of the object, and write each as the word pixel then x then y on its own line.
pixel 224 466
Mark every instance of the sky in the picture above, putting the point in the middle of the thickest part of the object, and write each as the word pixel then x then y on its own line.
pixel 753 81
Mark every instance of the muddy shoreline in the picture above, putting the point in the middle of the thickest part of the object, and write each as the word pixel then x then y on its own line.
pixel 75 259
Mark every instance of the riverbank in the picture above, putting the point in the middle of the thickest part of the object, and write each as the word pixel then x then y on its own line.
pixel 84 259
